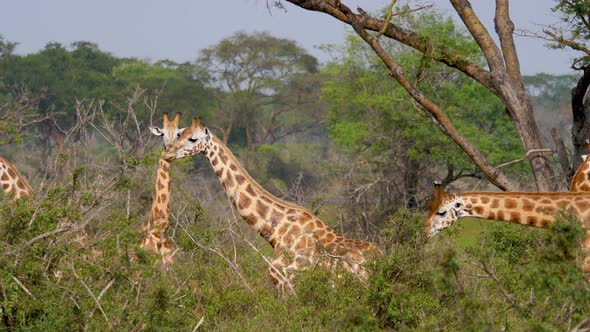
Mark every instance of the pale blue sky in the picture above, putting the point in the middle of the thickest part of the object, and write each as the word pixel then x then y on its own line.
pixel 178 29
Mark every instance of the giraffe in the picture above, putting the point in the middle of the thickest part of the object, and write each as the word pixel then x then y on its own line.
pixel 156 225
pixel 16 186
pixel 13 183
pixel 525 208
pixel 169 131
pixel 581 180
pixel 299 239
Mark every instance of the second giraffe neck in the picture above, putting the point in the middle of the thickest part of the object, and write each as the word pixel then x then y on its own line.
pixel 160 204
pixel 531 209
pixel 581 180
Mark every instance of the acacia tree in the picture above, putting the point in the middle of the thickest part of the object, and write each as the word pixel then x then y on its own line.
pixel 574 34
pixel 251 73
pixel 502 75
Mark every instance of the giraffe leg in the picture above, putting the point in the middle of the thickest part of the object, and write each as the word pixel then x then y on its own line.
pixel 282 279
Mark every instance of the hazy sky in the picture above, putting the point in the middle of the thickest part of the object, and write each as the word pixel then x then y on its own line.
pixel 178 29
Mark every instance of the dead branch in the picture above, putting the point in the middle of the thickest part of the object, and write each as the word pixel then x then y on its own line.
pixel 232 264
pixel 20 284
pixel 525 157
pixel 96 300
pixel 489 273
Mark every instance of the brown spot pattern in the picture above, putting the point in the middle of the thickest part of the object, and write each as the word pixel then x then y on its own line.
pixel 515 216
pixel 527 205
pixel 244 201
pixel 510 203
pixel 478 210
pixel 262 209
pixel 229 180
pixel 224 158
pixel 530 220
pixel 276 217
pixel 307 228
pixel 240 179
pixel 250 191
pixel 250 219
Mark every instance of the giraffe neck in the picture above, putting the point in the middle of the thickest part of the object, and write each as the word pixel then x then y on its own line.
pixel 531 209
pixel 161 203
pixel 156 226
pixel 581 180
pixel 13 183
pixel 272 217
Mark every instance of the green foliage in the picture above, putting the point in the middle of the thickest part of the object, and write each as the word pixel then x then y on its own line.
pixel 573 32
pixel 513 277
pixel 265 87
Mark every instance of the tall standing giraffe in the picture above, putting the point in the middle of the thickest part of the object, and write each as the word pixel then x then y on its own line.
pixel 298 237
pixel 13 183
pixel 526 208
pixel 158 221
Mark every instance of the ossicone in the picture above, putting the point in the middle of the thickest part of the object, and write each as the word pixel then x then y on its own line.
pixel 176 119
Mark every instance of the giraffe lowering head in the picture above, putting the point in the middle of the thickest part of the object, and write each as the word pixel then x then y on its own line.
pixel 444 210
pixel 169 131
pixel 192 140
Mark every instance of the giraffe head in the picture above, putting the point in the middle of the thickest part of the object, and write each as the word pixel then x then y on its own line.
pixel 444 210
pixel 193 140
pixel 169 131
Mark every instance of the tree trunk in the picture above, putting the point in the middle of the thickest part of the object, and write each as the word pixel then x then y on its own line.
pixel 521 112
pixel 581 122
pixel 411 180
pixel 562 154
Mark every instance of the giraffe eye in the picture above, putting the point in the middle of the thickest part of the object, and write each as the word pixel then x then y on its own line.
pixel 192 140
pixel 441 213
pixel 458 205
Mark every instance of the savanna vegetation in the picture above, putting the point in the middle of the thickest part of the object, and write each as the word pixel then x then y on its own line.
pixel 340 138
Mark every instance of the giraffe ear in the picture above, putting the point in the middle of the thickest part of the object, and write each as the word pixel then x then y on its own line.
pixel 207 135
pixel 156 131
